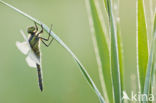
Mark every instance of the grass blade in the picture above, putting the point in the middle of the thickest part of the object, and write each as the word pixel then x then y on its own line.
pixel 120 51
pixel 101 46
pixel 105 3
pixel 114 55
pixel 142 46
pixel 153 73
pixel 45 27
pixel 149 73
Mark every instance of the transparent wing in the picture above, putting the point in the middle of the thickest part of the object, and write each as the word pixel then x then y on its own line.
pixel 24 36
pixel 32 59
pixel 30 62
pixel 23 47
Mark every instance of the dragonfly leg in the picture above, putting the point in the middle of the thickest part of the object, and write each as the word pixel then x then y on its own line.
pixel 47 45
pixel 40 31
pixel 36 27
pixel 47 39
pixel 48 35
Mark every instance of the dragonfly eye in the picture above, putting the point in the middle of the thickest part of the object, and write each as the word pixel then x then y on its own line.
pixel 31 30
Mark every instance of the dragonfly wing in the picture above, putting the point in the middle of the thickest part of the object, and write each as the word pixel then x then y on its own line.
pixel 34 57
pixel 23 47
pixel 24 36
pixel 30 62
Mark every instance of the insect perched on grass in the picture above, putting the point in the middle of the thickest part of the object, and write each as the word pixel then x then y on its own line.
pixel 31 47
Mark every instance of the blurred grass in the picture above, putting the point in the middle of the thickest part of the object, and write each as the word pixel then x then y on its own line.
pixel 142 44
pixel 120 52
pixel 101 49
pixel 149 75
pixel 115 63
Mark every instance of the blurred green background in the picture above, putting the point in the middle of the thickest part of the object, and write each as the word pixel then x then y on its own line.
pixel 63 82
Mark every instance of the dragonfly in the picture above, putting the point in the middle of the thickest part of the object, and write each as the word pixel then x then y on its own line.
pixel 31 48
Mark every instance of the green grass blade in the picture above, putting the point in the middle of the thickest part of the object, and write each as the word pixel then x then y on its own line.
pixel 105 3
pixel 120 51
pixel 149 73
pixel 153 73
pixel 45 27
pixel 114 55
pixel 142 46
pixel 101 46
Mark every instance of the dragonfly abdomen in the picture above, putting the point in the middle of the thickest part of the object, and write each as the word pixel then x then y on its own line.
pixel 39 77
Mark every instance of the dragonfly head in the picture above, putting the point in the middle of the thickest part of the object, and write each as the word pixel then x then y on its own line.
pixel 31 29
